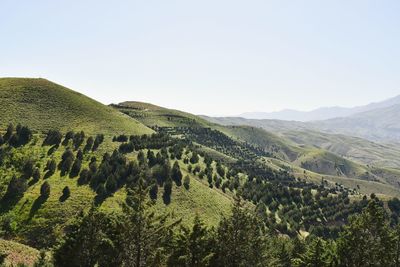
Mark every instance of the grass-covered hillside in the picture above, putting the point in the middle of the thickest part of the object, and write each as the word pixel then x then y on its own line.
pixel 319 157
pixel 43 105
pixel 45 186
pixel 152 115
pixel 354 148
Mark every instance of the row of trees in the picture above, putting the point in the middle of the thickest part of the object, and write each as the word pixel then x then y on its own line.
pixel 54 138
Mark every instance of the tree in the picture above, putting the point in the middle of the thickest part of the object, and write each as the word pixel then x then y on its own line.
pixel 9 132
pixel 284 257
pixel 78 139
pixel 45 190
pixel 195 158
pixel 153 190
pixel 314 255
pixel 66 192
pixel 192 247
pixel 89 144
pixel 240 241
pixel 367 240
pixel 68 136
pixel 24 135
pixel 141 158
pixel 76 168
pixel 176 174
pixel 42 261
pixel 152 159
pixel 144 235
pixel 186 182
pixel 36 174
pixel 97 141
pixel 167 191
pixel 28 169
pixel 51 167
pixel 220 170
pixel 67 160
pixel 79 155
pixel 16 188
pixel 89 242
pixel 53 137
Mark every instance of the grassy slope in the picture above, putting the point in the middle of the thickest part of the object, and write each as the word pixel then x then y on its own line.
pixel 353 148
pixel 18 253
pixel 31 216
pixel 356 149
pixel 319 161
pixel 43 105
pixel 152 115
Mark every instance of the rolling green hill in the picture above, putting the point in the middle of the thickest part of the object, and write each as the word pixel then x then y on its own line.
pixel 152 115
pixel 43 105
pixel 331 156
pixel 356 149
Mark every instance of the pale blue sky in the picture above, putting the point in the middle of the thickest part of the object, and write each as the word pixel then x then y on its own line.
pixel 220 57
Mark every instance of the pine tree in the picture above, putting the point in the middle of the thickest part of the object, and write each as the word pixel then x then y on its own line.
pixel 367 240
pixel 45 190
pixel 141 158
pixel 192 247
pixel 9 132
pixel 176 174
pixel 314 255
pixel 284 257
pixel 76 168
pixel 90 242
pixel 240 240
pixel 89 144
pixel 51 167
pixel 144 235
pixel 36 174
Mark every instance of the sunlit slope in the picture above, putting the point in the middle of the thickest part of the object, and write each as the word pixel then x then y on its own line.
pixel 152 115
pixel 43 105
pixel 324 160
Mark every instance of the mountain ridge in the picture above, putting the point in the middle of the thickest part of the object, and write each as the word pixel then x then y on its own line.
pixel 322 113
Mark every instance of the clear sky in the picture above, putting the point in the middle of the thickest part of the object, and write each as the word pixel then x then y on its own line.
pixel 220 57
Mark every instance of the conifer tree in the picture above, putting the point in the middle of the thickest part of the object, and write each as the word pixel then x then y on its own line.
pixel 240 241
pixel 176 174
pixel 144 235
pixel 193 246
pixel 367 240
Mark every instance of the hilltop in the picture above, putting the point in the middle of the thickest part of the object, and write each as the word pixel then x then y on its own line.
pixel 43 105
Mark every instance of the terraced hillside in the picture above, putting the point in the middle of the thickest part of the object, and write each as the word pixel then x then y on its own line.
pixel 43 105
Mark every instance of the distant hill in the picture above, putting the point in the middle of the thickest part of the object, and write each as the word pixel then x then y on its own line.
pixel 43 105
pixel 320 113
pixel 338 136
pixel 382 124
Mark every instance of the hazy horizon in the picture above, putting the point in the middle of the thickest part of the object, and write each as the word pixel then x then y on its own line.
pixel 214 58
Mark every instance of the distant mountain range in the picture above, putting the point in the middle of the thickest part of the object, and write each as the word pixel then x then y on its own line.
pixel 323 113
pixel 379 122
